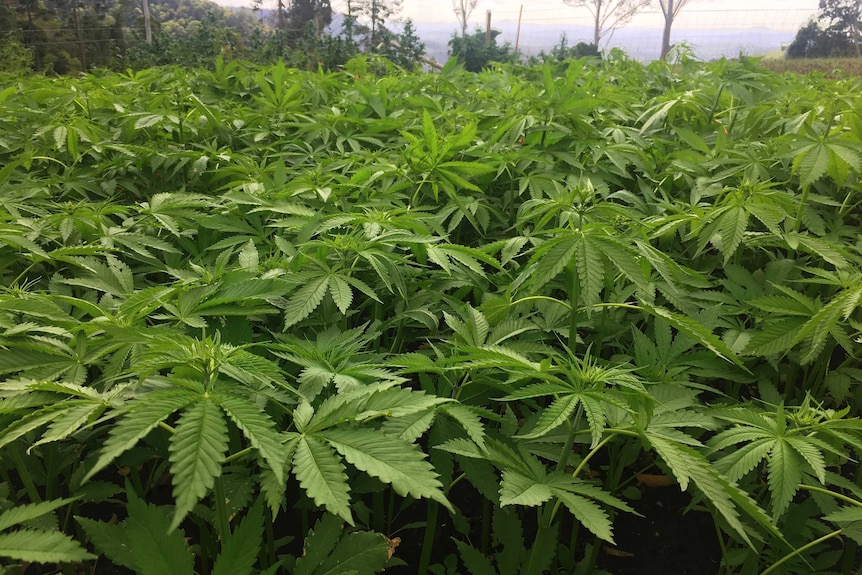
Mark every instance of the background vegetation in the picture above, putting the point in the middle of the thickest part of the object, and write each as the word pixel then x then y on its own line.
pixel 252 311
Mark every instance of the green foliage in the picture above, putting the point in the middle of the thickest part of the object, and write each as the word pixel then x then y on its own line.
pixel 834 33
pixel 261 299
pixel 475 54
pixel 19 541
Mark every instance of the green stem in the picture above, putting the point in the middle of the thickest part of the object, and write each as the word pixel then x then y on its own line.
pixel 721 543
pixel 802 549
pixel 486 527
pixel 378 506
pixel 843 498
pixel 166 427
pixel 50 472
pixel 428 540
pixel 222 520
pixel 589 455
pixel 570 439
pixel 269 543
pixel 239 454
pixel 574 297
pixel 24 474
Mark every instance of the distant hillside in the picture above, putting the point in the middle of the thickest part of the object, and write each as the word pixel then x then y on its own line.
pixel 182 17
pixel 640 43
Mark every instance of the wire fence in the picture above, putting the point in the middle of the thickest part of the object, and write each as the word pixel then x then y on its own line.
pixel 710 32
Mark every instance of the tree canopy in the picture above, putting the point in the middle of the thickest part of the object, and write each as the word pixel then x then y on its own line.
pixel 834 32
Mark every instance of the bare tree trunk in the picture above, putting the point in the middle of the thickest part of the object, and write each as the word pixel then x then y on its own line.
pixel 82 48
pixel 280 15
pixel 668 23
pixel 148 29
pixel 598 24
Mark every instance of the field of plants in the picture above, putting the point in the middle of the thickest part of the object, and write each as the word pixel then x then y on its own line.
pixel 830 67
pixel 263 321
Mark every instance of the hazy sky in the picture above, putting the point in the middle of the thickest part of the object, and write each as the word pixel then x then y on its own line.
pixel 776 14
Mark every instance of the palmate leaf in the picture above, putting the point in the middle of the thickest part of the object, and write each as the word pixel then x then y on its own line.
pixel 239 553
pixel 390 460
pixel 319 544
pixel 271 487
pixel 321 474
pixel 509 532
pixel 518 489
pixel 341 293
pixel 785 474
pixel 588 514
pixel 850 521
pixel 697 332
pixel 736 464
pixel 474 560
pixel 469 420
pixel 591 273
pixel 811 163
pixel 361 552
pixel 688 465
pixel 776 337
pixel 39 546
pixel 554 415
pixel 22 513
pixel 28 423
pixel 110 539
pixel 257 427
pixel 305 300
pixel 398 402
pixel 552 257
pixel 329 551
pixel 140 417
pixel 197 451
pixel 621 255
pixel 410 427
pixel 157 549
pixel 732 225
pixel 809 449
pixel 70 420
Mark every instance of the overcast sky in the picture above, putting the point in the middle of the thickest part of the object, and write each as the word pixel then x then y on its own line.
pixel 775 14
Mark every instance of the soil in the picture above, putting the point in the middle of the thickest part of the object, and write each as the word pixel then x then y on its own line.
pixel 667 539
pixel 664 540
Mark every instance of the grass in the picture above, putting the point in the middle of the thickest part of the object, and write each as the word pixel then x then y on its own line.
pixel 829 67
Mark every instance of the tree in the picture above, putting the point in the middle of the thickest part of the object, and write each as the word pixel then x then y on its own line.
pixel 842 18
pixel 405 49
pixel 377 12
pixel 308 16
pixel 463 9
pixel 148 28
pixel 475 54
pixel 834 32
pixel 608 15
pixel 670 9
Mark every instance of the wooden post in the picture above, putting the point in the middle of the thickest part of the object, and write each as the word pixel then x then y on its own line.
pixel 518 31
pixel 148 29
pixel 487 27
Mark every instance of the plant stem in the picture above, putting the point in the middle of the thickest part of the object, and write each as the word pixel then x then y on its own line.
pixel 269 539
pixel 166 427
pixel 378 507
pixel 574 297
pixel 428 540
pixel 222 521
pixel 589 455
pixel 802 549
pixel 844 498
pixel 570 439
pixel 24 474
pixel 239 454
